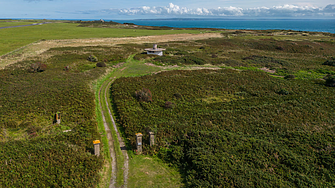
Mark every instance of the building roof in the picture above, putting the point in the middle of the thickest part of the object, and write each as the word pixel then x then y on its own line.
pixel 154 49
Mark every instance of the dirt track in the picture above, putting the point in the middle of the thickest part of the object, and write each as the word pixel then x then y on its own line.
pixel 37 48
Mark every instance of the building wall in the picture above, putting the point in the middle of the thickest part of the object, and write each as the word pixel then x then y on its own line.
pixel 160 53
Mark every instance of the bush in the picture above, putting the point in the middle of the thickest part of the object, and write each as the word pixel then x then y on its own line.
pixel 169 105
pixel 177 95
pixel 92 58
pixel 330 62
pixel 283 92
pixel 193 60
pixel 143 95
pixel 291 76
pixel 330 80
pixel 67 68
pixel 101 64
pixel 37 67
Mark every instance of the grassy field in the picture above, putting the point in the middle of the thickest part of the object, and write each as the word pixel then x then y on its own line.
pixel 146 171
pixel 6 23
pixel 14 38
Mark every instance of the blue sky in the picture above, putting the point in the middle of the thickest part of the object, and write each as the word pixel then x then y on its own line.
pixel 134 9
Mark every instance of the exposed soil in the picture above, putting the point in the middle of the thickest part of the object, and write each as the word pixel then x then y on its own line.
pixel 268 70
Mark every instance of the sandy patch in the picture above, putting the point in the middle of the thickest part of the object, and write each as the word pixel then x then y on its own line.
pixel 268 70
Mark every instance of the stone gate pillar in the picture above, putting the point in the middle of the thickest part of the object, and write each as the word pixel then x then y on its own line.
pixel 152 138
pixel 96 144
pixel 57 117
pixel 139 142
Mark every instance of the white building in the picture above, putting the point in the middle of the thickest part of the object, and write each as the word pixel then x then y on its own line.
pixel 155 51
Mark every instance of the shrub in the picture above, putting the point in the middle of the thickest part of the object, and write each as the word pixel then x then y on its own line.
pixel 101 64
pixel 330 80
pixel 169 105
pixel 283 92
pixel 177 95
pixel 193 60
pixel 181 53
pixel 279 48
pixel 92 58
pixel 291 76
pixel 11 124
pixel 37 67
pixel 330 62
pixel 143 95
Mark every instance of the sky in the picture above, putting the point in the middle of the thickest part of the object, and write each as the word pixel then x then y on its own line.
pixel 145 9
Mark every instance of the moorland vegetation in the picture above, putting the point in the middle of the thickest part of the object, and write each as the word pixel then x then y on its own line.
pixel 241 124
pixel 36 152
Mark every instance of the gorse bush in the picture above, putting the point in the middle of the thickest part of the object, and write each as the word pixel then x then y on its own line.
pixel 101 64
pixel 330 80
pixel 283 92
pixel 92 58
pixel 330 62
pixel 291 76
pixel 169 105
pixel 144 95
pixel 37 67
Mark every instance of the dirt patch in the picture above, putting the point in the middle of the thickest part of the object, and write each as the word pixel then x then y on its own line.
pixel 37 48
pixel 268 70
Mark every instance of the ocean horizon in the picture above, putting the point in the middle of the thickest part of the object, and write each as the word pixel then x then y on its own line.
pixel 313 25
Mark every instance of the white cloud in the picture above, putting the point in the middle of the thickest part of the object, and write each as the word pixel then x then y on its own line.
pixel 275 11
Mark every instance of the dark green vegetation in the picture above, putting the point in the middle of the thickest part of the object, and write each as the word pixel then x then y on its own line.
pixel 36 152
pixel 238 126
pixel 234 128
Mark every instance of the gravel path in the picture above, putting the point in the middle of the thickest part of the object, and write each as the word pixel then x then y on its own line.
pixel 122 144
pixel 110 142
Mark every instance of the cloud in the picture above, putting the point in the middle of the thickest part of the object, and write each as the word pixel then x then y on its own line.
pixel 275 11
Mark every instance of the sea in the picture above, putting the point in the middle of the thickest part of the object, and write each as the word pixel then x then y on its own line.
pixel 315 25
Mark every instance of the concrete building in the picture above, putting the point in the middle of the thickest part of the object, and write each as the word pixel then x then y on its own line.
pixel 154 50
